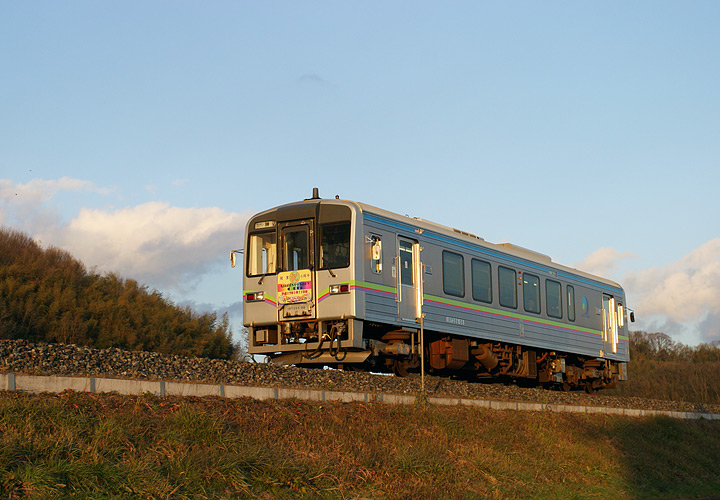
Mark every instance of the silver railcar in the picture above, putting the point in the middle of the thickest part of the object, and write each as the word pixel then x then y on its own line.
pixel 344 284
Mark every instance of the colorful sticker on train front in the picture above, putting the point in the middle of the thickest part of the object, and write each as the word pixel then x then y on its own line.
pixel 294 287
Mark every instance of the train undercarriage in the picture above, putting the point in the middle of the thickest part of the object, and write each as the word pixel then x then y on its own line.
pixel 397 350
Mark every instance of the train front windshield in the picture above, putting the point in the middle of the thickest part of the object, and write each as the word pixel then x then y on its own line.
pixel 292 246
pixel 335 245
pixel 261 255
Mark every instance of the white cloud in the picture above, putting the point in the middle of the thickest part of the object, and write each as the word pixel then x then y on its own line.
pixel 681 299
pixel 24 206
pixel 153 242
pixel 602 262
pixel 38 191
pixel 684 292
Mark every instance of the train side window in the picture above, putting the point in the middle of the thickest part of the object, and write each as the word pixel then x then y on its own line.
pixel 506 284
pixel 553 298
pixel 531 293
pixel 453 274
pixel 261 254
pixel 481 281
pixel 571 303
pixel 376 254
pixel 335 245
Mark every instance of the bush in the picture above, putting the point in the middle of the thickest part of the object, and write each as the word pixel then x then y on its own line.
pixel 661 368
pixel 48 296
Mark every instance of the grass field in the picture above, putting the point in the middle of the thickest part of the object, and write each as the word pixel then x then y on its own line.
pixel 661 368
pixel 77 445
pixel 672 380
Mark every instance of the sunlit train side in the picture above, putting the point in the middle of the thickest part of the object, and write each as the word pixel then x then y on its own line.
pixel 340 283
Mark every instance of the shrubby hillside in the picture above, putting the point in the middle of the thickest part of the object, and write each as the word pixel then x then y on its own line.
pixel 46 295
pixel 661 368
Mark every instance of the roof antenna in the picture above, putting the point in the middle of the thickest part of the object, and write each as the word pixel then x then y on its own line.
pixel 316 194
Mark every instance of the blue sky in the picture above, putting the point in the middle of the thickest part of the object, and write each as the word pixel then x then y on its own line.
pixel 141 135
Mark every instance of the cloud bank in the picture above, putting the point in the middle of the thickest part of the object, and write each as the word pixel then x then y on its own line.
pixel 603 261
pixel 24 206
pixel 165 245
pixel 155 243
pixel 681 299
pixel 684 292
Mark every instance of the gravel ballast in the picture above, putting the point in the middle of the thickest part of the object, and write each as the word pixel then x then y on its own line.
pixel 19 356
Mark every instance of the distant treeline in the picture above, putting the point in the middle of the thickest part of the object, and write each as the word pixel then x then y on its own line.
pixel 661 347
pixel 46 295
pixel 661 368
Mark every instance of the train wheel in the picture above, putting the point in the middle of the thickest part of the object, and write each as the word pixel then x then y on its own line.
pixel 354 367
pixel 400 367
pixel 613 382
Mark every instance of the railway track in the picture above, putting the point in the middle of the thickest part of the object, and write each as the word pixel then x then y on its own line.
pixel 19 356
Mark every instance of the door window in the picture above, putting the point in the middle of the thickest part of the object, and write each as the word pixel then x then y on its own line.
pixel 571 303
pixel 406 271
pixel 610 322
pixel 295 250
pixel 376 254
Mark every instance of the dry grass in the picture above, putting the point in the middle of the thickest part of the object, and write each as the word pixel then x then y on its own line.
pixel 672 381
pixel 77 445
pixel 661 368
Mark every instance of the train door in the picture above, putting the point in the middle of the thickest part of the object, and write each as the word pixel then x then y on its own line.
pixel 296 288
pixel 610 324
pixel 409 295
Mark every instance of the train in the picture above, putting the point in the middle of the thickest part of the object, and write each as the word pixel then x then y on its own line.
pixel 339 283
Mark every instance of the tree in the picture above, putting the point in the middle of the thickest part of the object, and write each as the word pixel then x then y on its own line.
pixel 49 296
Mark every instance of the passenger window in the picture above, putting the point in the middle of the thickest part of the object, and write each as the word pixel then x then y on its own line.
pixel 261 255
pixel 506 284
pixel 453 274
pixel 531 293
pixel 335 245
pixel 571 303
pixel 481 281
pixel 553 298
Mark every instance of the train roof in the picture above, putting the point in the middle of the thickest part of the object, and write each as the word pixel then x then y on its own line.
pixel 506 248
